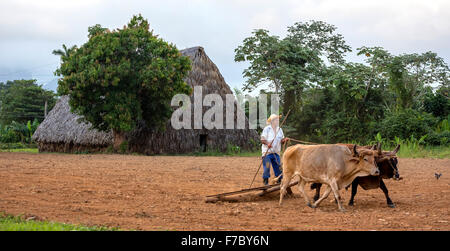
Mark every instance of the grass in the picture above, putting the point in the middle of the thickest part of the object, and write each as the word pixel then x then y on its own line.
pixel 406 151
pixel 24 150
pixel 19 223
pixel 439 152
pixel 17 145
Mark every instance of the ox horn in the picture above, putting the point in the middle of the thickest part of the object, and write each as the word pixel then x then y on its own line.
pixel 355 153
pixel 396 149
pixel 379 148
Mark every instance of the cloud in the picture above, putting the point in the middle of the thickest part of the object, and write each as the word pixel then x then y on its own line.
pixel 43 20
pixel 30 30
pixel 386 22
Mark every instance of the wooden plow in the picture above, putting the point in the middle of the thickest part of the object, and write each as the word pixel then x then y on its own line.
pixel 262 191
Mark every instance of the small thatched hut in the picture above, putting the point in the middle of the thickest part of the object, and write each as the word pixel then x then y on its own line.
pixel 61 131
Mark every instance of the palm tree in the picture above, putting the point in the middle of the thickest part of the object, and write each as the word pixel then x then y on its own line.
pixel 65 52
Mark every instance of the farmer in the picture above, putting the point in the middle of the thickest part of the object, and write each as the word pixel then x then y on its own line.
pixel 272 146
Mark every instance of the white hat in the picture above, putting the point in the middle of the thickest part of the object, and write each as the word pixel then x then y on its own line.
pixel 272 117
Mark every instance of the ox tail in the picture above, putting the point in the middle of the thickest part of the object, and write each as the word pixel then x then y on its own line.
pixel 277 178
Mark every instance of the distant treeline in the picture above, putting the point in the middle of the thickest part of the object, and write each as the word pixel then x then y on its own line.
pixel 397 97
pixel 22 108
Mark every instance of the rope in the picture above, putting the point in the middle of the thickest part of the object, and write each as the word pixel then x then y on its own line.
pixel 303 142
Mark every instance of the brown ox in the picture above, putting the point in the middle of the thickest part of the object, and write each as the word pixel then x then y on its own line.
pixel 334 165
pixel 387 164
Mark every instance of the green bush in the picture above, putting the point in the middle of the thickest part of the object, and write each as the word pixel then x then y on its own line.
pixel 232 149
pixel 443 125
pixel 438 138
pixel 406 123
pixel 18 132
pixel 7 135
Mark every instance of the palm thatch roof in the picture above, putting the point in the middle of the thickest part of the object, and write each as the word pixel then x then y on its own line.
pixel 61 131
pixel 61 125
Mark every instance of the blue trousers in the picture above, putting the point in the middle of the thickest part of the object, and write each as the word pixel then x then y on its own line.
pixel 274 159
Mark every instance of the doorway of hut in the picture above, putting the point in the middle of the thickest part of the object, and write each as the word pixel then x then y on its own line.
pixel 203 140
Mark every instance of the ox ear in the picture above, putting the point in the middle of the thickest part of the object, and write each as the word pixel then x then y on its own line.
pixel 396 149
pixel 374 147
pixel 355 153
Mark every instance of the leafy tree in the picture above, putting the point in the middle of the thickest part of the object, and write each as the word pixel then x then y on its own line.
pixel 407 75
pixel 24 100
pixel 427 68
pixel 399 81
pixel 293 63
pixel 65 52
pixel 377 59
pixel 337 101
pixel 122 76
pixel 257 102
pixel 307 121
pixel 320 37
pixel 437 104
pixel 345 106
pixel 261 50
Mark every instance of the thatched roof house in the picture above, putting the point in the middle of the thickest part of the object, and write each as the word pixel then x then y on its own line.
pixel 61 131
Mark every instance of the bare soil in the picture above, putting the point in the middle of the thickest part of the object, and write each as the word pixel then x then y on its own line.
pixel 168 193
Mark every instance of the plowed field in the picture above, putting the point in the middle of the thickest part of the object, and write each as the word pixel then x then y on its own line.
pixel 168 193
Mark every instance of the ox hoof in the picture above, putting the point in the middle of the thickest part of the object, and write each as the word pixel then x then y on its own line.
pixel 311 205
pixel 391 205
pixel 351 204
pixel 342 210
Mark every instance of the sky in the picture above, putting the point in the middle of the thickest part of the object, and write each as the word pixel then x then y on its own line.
pixel 31 30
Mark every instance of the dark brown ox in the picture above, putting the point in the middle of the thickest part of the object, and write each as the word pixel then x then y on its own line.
pixel 334 165
pixel 387 163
